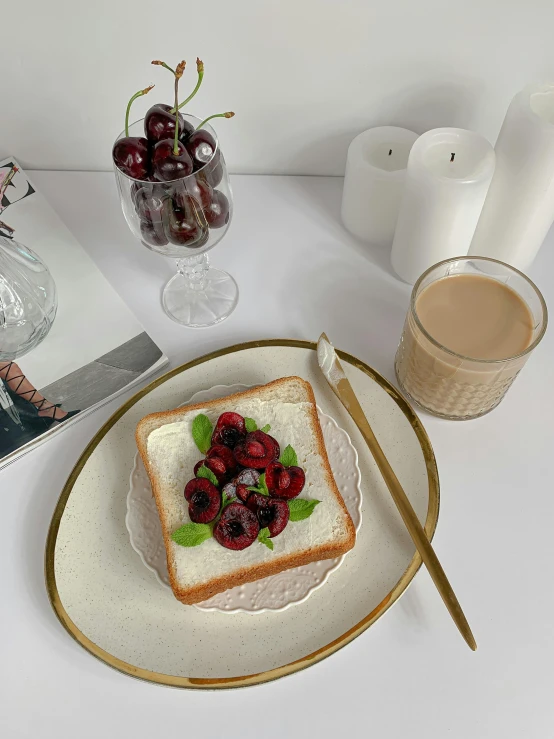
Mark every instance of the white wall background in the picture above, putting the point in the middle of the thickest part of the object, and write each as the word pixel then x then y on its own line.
pixel 304 76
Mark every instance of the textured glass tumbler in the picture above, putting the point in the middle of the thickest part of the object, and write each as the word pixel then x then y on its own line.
pixel 184 219
pixel 448 384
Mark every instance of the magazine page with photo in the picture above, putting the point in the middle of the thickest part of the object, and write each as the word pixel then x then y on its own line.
pixel 68 343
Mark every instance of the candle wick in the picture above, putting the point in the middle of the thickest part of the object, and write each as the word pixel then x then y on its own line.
pixel 452 156
pixel 390 152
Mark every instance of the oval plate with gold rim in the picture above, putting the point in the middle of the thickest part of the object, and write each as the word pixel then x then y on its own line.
pixel 108 602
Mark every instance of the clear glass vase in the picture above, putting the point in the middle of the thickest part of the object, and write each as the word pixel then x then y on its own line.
pixel 184 219
pixel 28 300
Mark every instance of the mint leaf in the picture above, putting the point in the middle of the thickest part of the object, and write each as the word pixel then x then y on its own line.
pixel 261 491
pixel 263 538
pixel 208 474
pixel 225 500
pixel 261 488
pixel 250 425
pixel 288 457
pixel 301 509
pixel 262 485
pixel 202 432
pixel 192 534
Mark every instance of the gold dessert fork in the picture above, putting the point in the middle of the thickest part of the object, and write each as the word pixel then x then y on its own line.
pixel 335 376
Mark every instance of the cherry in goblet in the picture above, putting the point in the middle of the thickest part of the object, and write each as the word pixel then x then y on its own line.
pixel 170 160
pixel 159 124
pixel 153 233
pixel 198 295
pixel 185 225
pixel 131 154
pixel 213 171
pixel 149 202
pixel 217 212
pixel 196 188
pixel 201 145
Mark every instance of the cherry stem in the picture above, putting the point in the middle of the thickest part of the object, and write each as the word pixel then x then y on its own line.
pixel 163 64
pixel 176 140
pixel 178 74
pixel 230 114
pixel 200 69
pixel 131 101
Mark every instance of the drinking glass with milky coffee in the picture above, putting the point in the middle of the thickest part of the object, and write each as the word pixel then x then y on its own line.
pixel 472 324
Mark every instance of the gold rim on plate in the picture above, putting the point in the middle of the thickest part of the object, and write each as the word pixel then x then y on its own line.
pixel 296 665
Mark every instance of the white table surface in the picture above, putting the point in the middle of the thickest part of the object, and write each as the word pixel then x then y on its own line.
pixel 410 674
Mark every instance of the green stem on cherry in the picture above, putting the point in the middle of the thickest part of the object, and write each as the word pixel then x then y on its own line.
pixel 178 74
pixel 200 70
pixel 230 114
pixel 163 64
pixel 131 101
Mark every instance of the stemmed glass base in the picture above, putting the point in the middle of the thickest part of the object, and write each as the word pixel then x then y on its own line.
pixel 199 295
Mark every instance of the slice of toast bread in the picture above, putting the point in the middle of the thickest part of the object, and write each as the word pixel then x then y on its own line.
pixel 169 453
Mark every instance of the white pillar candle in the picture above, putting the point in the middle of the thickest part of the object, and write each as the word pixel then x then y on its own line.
pixel 519 208
pixel 375 170
pixel 449 173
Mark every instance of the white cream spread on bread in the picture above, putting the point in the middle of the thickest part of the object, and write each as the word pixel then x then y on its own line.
pixel 172 455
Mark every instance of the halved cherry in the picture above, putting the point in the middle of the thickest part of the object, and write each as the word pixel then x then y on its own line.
pixel 229 429
pixel 242 492
pixel 256 500
pixel 284 482
pixel 272 513
pixel 277 447
pixel 204 500
pixel 217 466
pixel 223 452
pixel 257 450
pixel 237 527
pixel 198 483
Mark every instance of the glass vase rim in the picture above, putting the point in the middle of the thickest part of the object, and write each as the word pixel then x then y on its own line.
pixel 536 341
pixel 206 127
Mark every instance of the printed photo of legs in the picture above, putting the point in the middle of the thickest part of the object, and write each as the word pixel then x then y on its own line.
pixel 24 412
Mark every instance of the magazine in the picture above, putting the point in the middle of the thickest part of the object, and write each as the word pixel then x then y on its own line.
pixel 95 348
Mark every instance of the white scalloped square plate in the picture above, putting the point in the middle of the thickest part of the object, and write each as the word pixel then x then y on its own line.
pixel 275 593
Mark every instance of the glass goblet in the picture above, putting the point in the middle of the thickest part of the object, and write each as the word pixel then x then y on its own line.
pixel 184 219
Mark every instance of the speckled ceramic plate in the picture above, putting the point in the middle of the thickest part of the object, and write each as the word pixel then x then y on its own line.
pixel 275 593
pixel 114 608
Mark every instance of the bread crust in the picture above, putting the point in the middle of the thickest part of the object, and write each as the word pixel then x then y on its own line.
pixel 206 590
